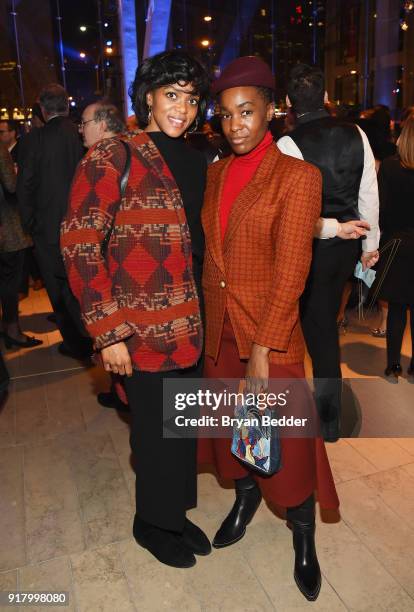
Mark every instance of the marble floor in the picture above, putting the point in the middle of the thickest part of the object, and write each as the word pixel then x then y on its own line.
pixel 66 502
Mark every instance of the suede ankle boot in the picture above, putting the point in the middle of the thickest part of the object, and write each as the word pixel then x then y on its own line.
pixel 195 539
pixel 307 573
pixel 166 546
pixel 233 528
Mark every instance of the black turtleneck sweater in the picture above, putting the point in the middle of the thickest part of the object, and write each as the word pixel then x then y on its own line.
pixel 188 167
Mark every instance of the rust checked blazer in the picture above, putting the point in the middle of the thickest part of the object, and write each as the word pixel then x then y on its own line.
pixel 259 271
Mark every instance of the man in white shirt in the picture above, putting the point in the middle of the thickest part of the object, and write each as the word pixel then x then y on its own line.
pixel 350 210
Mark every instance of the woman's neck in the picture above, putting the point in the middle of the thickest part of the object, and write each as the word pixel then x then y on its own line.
pixel 259 150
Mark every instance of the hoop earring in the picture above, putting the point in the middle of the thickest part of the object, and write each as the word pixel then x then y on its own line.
pixel 149 113
pixel 195 127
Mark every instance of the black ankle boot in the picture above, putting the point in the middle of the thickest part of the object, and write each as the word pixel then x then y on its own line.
pixel 233 528
pixel 307 573
pixel 166 546
pixel 393 370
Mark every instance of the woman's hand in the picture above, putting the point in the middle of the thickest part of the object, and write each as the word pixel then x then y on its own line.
pixel 116 359
pixel 257 371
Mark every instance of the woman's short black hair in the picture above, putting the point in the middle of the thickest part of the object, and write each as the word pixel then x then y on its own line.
pixel 164 69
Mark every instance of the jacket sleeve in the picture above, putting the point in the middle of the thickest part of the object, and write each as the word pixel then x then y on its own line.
pixel 93 201
pixel 293 237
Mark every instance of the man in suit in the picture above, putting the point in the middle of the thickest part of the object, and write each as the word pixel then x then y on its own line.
pixel 51 155
pixel 350 208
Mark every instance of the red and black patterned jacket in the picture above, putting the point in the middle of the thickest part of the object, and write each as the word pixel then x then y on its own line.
pixel 143 292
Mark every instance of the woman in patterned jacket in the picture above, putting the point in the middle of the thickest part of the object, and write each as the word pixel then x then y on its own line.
pixel 141 303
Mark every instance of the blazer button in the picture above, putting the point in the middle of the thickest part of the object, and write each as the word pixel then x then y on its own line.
pixel 222 284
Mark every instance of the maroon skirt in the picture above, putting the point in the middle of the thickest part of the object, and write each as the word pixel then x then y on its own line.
pixel 305 465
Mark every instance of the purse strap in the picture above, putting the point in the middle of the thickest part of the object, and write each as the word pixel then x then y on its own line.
pixel 123 185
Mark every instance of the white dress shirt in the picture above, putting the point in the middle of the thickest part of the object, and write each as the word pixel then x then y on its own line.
pixel 368 200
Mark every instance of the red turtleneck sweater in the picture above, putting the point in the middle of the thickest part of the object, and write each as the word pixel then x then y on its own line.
pixel 239 173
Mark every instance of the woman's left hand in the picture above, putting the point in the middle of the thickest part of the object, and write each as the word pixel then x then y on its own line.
pixel 257 371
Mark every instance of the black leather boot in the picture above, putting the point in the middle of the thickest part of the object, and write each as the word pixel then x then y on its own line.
pixel 307 573
pixel 233 528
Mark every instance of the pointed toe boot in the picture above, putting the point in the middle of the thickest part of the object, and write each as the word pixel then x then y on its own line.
pixel 233 528
pixel 307 573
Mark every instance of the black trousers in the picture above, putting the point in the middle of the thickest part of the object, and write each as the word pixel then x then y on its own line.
pixel 64 303
pixel 331 267
pixel 30 268
pixel 396 322
pixel 166 468
pixel 11 265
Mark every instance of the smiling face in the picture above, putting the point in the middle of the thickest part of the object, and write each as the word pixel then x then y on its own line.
pixel 245 115
pixel 173 109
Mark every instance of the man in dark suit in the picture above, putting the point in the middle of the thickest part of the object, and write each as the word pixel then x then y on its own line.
pixel 48 162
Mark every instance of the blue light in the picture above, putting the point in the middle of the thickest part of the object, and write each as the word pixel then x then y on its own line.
pixel 156 32
pixel 232 48
pixel 73 103
pixel 109 43
pixel 129 47
pixel 108 63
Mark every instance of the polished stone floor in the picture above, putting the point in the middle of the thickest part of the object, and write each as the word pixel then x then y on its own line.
pixel 66 500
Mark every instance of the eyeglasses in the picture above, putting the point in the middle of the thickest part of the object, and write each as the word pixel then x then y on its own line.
pixel 83 123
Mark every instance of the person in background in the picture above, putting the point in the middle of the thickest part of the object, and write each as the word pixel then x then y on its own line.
pixel 43 182
pixel 350 207
pixel 259 215
pixel 396 189
pixel 141 301
pixel 9 136
pixel 99 121
pixel 376 124
pixel 38 121
pixel 15 144
pixel 13 241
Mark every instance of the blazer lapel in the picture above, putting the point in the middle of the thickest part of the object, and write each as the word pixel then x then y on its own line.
pixel 250 194
pixel 211 217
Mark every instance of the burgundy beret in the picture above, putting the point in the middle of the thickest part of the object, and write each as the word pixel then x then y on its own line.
pixel 244 71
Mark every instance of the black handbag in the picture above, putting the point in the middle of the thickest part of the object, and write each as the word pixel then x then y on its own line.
pixel 123 184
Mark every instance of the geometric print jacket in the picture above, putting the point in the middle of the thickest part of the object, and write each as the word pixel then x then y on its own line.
pixel 143 291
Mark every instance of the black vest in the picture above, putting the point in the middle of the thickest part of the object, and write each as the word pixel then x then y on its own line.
pixel 336 148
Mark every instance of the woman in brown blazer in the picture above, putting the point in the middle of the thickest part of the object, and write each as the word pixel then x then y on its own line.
pixel 259 215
